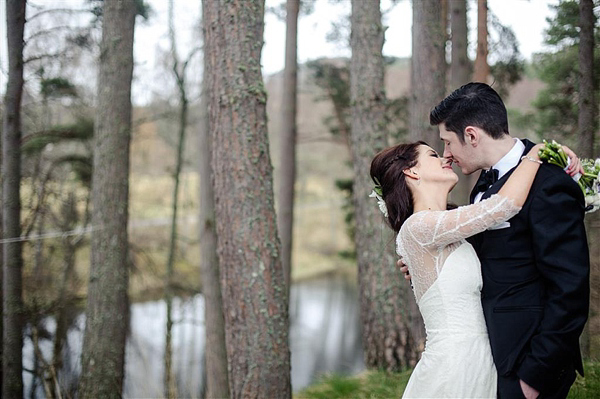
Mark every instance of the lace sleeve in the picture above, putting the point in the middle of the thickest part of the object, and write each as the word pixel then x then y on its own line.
pixel 425 238
pixel 441 228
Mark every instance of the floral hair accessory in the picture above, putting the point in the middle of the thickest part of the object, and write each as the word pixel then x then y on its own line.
pixel 378 193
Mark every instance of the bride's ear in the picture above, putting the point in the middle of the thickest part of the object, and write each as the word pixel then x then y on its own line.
pixel 411 174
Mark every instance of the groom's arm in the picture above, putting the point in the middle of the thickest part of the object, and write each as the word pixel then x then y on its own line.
pixel 562 258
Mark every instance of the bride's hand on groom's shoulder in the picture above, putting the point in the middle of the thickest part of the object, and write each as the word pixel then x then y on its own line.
pixel 574 162
pixel 403 268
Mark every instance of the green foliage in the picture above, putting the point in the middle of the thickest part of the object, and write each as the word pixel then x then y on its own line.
pixel 143 9
pixel 57 87
pixel 372 385
pixel 556 104
pixel 508 66
pixel 588 387
pixel 81 130
pixel 346 186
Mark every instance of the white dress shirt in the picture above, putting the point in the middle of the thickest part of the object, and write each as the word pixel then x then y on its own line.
pixel 507 162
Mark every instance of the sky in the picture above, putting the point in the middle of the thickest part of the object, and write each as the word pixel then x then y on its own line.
pixel 526 17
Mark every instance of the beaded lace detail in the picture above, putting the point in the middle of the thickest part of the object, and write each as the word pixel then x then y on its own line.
pixel 427 238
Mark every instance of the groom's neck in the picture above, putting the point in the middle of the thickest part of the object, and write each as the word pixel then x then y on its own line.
pixel 496 149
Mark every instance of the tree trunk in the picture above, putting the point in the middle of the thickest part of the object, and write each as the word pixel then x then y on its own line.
pixel 107 311
pixel 12 340
pixel 482 68
pixel 179 75
pixel 587 103
pixel 585 149
pixel 460 74
pixel 381 291
pixel 217 383
pixel 285 216
pixel 255 307
pixel 427 71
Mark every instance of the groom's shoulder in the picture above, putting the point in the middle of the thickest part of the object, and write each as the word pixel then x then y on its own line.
pixel 551 178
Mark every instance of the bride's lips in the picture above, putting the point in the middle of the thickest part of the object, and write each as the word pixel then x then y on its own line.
pixel 448 165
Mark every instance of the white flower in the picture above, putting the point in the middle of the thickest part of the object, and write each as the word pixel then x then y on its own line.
pixel 593 201
pixel 380 202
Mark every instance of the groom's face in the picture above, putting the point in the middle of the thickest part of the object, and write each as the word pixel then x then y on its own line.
pixel 461 153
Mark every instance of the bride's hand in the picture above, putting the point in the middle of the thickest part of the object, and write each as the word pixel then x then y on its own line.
pixel 403 268
pixel 575 164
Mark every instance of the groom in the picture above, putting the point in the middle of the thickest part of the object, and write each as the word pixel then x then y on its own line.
pixel 535 267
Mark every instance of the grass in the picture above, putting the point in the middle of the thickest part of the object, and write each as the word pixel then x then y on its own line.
pixel 384 385
pixel 367 385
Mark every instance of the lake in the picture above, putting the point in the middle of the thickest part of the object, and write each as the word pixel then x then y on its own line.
pixel 324 338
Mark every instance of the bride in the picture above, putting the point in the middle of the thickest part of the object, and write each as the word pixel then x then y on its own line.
pixel 414 181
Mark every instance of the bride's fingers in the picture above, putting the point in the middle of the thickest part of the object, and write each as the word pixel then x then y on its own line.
pixel 575 165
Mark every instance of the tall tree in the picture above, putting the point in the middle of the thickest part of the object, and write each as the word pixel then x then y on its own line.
pixel 460 66
pixel 217 382
pixel 384 322
pixel 107 311
pixel 179 70
pixel 255 306
pixel 12 262
pixel 287 154
pixel 587 128
pixel 460 74
pixel 427 69
pixel 587 102
pixel 482 68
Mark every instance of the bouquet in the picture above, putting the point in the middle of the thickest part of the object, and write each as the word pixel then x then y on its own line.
pixel 588 181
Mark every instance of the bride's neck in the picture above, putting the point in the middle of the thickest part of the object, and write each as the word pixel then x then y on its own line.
pixel 433 201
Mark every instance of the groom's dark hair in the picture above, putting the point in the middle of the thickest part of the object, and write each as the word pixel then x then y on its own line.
pixel 474 104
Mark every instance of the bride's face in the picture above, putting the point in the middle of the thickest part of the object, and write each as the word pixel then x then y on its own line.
pixel 433 168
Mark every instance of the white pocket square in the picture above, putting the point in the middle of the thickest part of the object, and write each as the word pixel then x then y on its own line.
pixel 503 225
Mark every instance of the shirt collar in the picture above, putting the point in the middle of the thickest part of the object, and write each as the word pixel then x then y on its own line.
pixel 511 159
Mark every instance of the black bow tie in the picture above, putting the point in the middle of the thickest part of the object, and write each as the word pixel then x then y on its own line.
pixel 486 179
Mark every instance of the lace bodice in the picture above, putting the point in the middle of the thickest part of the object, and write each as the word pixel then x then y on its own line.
pixel 427 238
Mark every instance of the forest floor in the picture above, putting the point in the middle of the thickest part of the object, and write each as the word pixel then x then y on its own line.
pixel 383 385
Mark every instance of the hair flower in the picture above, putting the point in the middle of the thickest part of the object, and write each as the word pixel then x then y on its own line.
pixel 378 194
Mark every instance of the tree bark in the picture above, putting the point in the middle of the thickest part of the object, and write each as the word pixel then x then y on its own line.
pixel 12 339
pixel 252 281
pixel 287 163
pixel 386 333
pixel 427 71
pixel 107 311
pixel 482 68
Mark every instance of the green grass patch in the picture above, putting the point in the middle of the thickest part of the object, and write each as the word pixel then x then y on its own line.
pixel 368 385
pixel 384 385
pixel 588 387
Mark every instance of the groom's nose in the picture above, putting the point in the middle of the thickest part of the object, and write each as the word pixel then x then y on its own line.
pixel 447 153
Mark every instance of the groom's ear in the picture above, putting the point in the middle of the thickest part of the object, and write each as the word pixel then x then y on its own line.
pixel 472 136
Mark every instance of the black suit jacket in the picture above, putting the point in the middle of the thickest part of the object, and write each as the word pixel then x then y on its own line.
pixel 536 281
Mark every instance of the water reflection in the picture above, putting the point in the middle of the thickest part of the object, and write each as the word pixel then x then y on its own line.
pixel 324 338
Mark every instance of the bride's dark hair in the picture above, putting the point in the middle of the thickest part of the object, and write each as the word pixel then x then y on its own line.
pixel 387 169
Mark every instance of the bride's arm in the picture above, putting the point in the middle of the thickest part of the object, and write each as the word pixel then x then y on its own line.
pixel 519 183
pixel 440 228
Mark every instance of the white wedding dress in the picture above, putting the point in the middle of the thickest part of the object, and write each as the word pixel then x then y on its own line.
pixel 446 277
